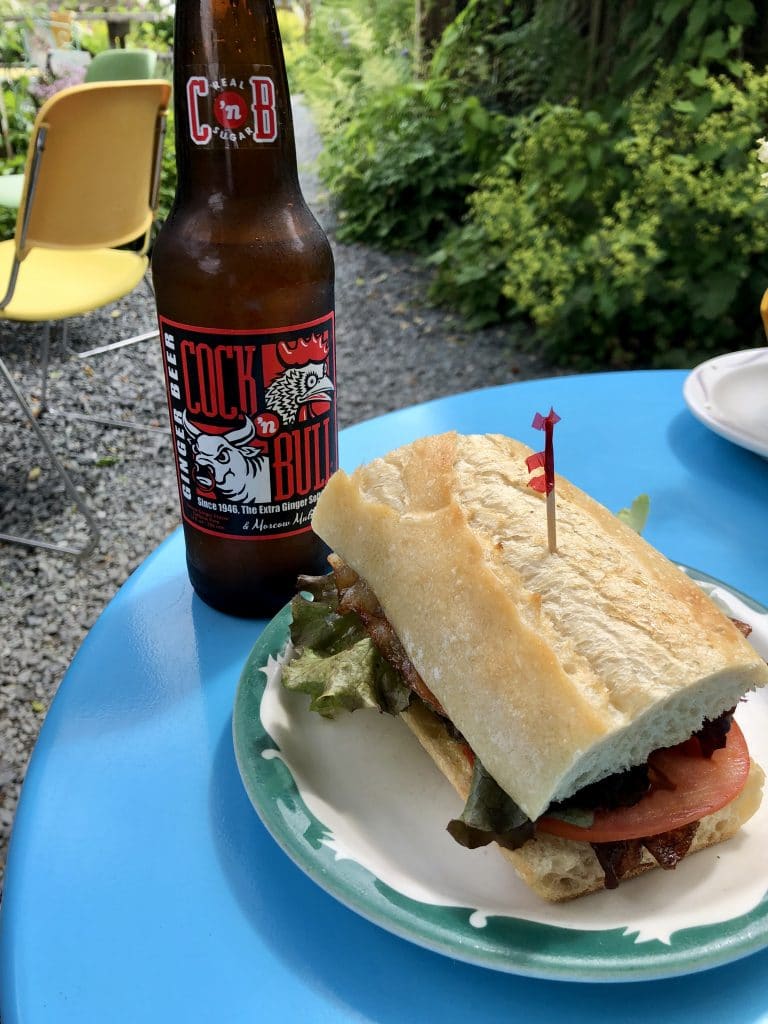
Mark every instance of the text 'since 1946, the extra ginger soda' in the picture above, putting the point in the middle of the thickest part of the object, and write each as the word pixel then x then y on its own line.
pixel 243 276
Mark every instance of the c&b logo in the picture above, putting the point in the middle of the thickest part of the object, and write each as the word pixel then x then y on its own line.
pixel 241 109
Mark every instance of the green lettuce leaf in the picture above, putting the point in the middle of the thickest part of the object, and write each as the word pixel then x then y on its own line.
pixel 573 815
pixel 637 513
pixel 317 624
pixel 356 677
pixel 490 815
pixel 336 662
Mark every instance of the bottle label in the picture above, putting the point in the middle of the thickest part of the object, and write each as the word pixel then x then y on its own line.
pixel 253 420
pixel 237 108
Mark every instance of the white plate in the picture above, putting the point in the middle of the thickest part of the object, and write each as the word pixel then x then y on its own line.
pixel 729 394
pixel 359 806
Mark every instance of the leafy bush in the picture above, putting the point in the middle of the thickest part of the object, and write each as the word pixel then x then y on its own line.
pixel 152 35
pixel 400 153
pixel 639 242
pixel 346 33
pixel 400 170
pixel 20 111
pixel 167 190
pixel 348 57
pixel 513 56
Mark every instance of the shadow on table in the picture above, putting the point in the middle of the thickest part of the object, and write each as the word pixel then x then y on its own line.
pixel 707 454
pixel 701 533
pixel 385 979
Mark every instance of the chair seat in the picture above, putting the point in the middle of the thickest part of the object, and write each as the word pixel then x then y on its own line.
pixel 10 190
pixel 54 283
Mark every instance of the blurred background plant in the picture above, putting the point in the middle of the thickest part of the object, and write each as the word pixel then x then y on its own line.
pixel 584 167
pixel 29 30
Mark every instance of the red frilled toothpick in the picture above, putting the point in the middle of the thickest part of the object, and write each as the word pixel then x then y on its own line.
pixel 544 482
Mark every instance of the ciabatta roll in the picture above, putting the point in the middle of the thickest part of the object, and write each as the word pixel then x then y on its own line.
pixel 556 669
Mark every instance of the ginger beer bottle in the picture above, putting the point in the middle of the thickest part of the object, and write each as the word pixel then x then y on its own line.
pixel 244 282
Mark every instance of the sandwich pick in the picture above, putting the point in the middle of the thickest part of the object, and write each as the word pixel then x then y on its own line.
pixel 544 482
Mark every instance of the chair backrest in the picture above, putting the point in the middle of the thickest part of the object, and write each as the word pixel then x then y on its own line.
pixel 92 184
pixel 121 65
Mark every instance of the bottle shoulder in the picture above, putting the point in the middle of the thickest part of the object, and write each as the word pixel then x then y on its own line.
pixel 242 268
pixel 290 231
pixel 216 217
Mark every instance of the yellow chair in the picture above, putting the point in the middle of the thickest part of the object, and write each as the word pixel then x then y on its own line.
pixel 90 187
pixel 107 66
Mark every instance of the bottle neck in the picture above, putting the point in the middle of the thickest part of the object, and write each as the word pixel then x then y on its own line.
pixel 234 129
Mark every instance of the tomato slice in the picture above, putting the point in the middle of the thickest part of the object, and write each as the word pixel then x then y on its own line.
pixel 702 786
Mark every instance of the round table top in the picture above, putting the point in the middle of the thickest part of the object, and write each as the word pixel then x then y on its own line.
pixel 142 886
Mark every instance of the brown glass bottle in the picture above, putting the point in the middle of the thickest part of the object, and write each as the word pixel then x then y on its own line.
pixel 244 282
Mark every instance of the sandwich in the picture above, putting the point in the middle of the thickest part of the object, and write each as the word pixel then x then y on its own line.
pixel 580 701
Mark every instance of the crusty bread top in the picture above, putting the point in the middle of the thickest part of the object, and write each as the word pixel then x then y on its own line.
pixel 559 669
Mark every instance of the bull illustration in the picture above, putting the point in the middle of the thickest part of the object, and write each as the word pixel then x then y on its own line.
pixel 228 463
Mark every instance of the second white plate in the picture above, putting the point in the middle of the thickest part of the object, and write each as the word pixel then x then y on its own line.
pixel 729 394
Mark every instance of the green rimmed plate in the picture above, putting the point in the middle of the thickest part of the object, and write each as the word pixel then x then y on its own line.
pixel 357 805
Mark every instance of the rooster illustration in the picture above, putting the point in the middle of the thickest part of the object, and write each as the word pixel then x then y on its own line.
pixel 304 380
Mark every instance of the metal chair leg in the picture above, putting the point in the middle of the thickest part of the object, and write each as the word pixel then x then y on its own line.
pixel 146 336
pixel 118 344
pixel 84 417
pixel 45 356
pixel 93 530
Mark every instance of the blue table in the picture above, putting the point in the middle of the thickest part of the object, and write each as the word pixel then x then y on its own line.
pixel 141 885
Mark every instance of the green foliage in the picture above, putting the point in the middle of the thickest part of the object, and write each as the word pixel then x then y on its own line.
pixel 167 191
pixel 614 207
pixel 21 108
pixel 350 56
pixel 402 167
pixel 642 241
pixel 7 223
pixel 400 154
pixel 152 35
pixel 511 56
pixel 20 111
pixel 515 55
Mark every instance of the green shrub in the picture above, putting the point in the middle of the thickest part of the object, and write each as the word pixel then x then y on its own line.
pixel 20 111
pixel 152 35
pixel 167 190
pixel 512 56
pixel 346 33
pixel 639 242
pixel 401 168
pixel 515 55
pixel 347 59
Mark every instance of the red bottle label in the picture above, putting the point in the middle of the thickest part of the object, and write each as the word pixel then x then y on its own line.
pixel 253 418
pixel 235 108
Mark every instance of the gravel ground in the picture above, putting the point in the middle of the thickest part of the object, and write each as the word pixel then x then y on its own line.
pixel 393 350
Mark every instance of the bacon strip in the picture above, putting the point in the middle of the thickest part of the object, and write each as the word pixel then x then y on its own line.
pixel 620 858
pixel 669 848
